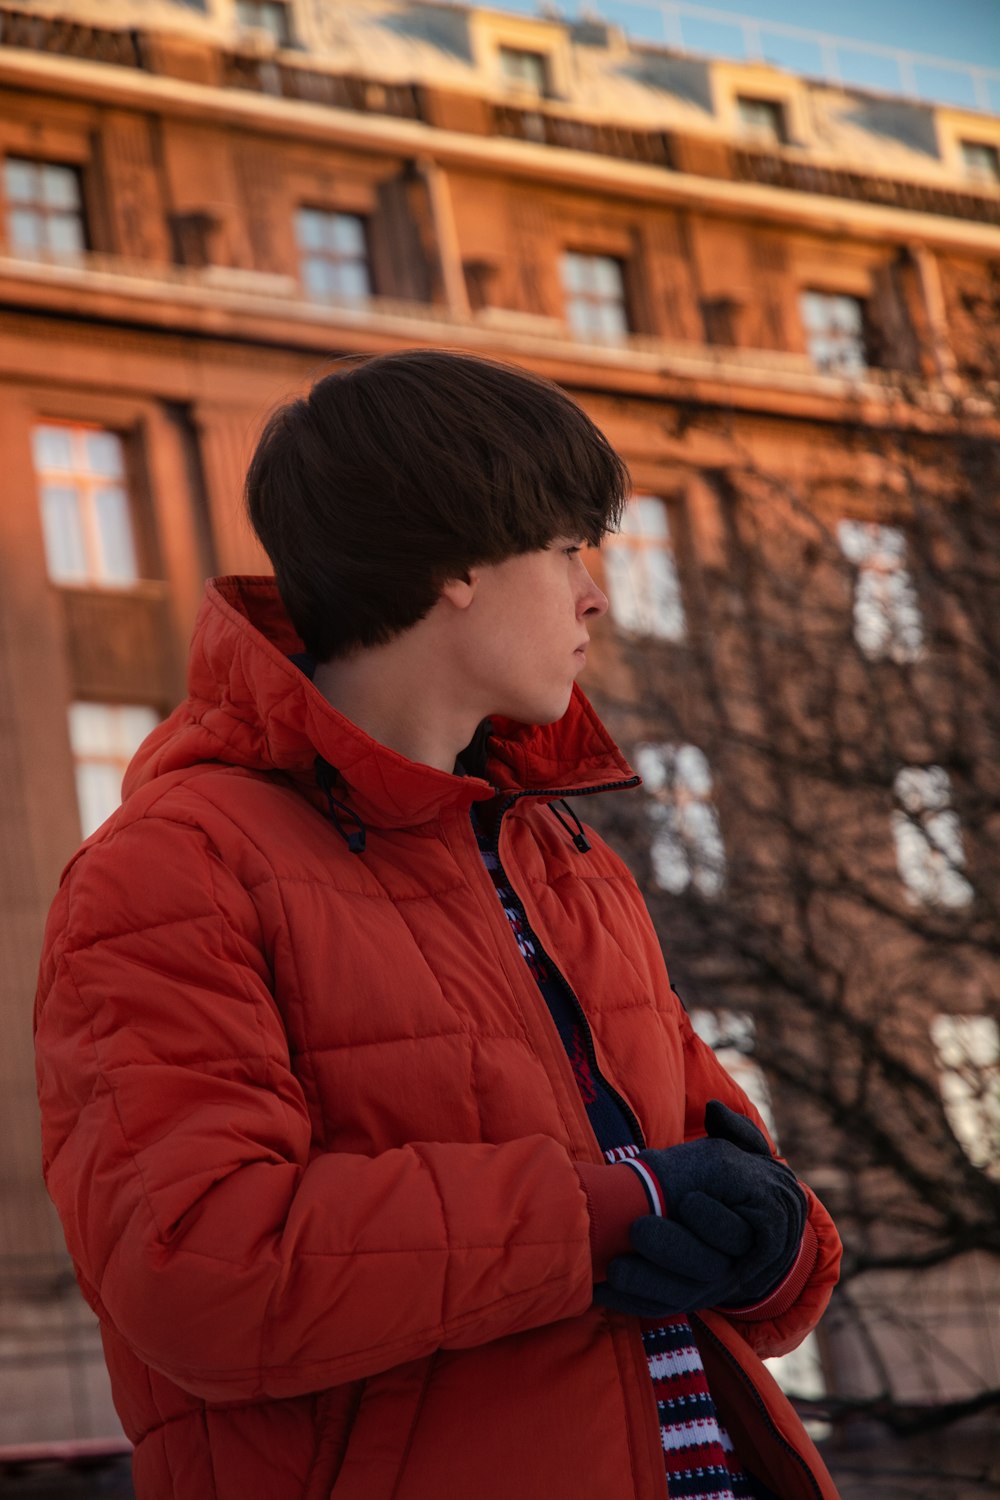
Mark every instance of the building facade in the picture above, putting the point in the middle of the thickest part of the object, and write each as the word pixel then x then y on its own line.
pixel 780 301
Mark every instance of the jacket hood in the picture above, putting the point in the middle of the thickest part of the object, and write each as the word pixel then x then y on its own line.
pixel 249 705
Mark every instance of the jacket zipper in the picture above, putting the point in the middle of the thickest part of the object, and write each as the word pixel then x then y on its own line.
pixel 581 1014
pixel 759 1402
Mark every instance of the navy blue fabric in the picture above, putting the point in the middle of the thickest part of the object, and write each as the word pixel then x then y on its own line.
pixel 731 1192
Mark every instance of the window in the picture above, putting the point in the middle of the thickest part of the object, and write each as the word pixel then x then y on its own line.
pixel 333 255
pixel 643 585
pixel 836 333
pixel 44 208
pixel 86 517
pixel 686 845
pixel 594 286
pixel 761 119
pixel 928 837
pixel 267 15
pixel 887 620
pixel 967 1050
pixel 981 162
pixel 526 70
pixel 731 1034
pixel 104 737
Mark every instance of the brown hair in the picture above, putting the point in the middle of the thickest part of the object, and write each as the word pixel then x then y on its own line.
pixel 401 471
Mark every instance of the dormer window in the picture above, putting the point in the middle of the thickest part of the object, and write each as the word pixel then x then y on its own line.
pixel 981 162
pixel 271 16
pixel 525 70
pixel 762 120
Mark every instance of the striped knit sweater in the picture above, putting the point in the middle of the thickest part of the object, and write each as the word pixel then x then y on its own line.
pixel 698 1453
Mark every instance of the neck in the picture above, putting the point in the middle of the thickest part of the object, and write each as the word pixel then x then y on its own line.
pixel 400 700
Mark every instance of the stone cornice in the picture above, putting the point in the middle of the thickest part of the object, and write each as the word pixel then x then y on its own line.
pixel 840 218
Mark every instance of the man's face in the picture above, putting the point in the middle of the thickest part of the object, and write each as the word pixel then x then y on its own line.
pixel 529 618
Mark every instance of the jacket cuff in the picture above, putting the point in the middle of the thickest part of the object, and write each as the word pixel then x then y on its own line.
pixel 788 1290
pixel 615 1199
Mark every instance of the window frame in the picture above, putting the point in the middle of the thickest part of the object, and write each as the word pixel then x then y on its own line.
pixel 851 370
pixel 116 759
pixel 332 259
pixel 971 1103
pixel 777 115
pixel 990 175
pixel 927 834
pixel 85 482
pixel 285 36
pixel 644 615
pixel 571 297
pixel 885 600
pixel 532 87
pixel 44 212
pixel 705 874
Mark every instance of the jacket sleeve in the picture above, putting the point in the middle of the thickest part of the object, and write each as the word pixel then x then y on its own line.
pixel 779 1324
pixel 205 1226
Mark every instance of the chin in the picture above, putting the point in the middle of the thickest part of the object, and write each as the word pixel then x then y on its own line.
pixel 549 711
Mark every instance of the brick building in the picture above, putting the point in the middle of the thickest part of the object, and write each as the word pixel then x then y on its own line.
pixel 775 295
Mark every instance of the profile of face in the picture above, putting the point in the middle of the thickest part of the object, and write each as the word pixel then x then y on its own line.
pixel 522 631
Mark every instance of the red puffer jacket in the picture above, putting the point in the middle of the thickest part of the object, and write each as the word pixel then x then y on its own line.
pixel 311 1130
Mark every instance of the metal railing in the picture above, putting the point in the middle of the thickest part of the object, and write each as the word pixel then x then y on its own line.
pixel 820 54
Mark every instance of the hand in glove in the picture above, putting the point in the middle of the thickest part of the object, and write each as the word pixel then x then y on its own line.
pixel 743 1214
pixel 672 1271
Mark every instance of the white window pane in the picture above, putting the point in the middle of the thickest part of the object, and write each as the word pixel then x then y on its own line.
pixel 671 870
pixel 62 529
pixel 134 723
pixel 25 229
pixel 921 789
pixel 352 280
pixel 928 837
pixel 624 588
pixel 649 762
pixel 887 618
pixel 92 730
pixel 813 307
pixel 608 278
pixel 666 610
pixel 692 770
pixel 348 234
pixel 65 235
pixel 103 738
pixel 60 187
pixel 316 279
pixel 20 180
pixel 574 274
pixel 309 229
pixel 52 448
pixel 114 533
pixel 611 320
pixel 686 846
pixel 104 454
pixel 650 516
pixel 968 1058
pixel 582 319
pixel 98 791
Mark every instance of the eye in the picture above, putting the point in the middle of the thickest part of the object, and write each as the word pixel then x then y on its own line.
pixel 573 551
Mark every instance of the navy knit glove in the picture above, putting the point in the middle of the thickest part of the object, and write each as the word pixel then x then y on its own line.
pixel 730 1192
pixel 673 1272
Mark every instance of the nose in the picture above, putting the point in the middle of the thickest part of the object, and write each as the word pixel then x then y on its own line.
pixel 593 601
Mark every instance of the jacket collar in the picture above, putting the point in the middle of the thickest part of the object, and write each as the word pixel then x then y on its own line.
pixel 249 705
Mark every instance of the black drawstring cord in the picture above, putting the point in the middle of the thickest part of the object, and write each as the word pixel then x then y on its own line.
pixel 355 839
pixel 578 836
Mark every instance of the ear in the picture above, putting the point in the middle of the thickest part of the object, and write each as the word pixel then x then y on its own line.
pixel 460 592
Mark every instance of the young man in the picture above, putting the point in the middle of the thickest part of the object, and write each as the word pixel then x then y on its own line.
pixel 385 1154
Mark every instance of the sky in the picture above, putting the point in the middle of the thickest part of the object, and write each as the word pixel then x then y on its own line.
pixel 949 30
